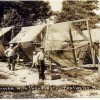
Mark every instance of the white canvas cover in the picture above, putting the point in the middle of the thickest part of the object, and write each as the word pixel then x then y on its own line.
pixel 5 30
pixel 27 34
pixel 2 49
pixel 95 34
pixel 56 35
pixel 59 33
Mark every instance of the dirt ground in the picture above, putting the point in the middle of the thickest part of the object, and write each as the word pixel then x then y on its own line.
pixel 74 82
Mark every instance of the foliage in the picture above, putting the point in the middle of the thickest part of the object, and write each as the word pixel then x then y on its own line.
pixel 75 10
pixel 23 13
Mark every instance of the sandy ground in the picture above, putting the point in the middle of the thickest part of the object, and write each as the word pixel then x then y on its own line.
pixel 23 76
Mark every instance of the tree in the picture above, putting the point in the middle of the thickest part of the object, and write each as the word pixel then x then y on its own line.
pixel 23 13
pixel 1 11
pixel 75 10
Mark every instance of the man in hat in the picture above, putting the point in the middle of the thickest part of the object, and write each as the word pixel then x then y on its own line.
pixel 10 53
pixel 40 56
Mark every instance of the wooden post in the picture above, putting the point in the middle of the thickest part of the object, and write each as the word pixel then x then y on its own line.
pixel 12 34
pixel 99 63
pixel 18 59
pixel 72 46
pixel 90 40
pixel 50 62
pixel 80 20
pixel 49 51
pixel 41 37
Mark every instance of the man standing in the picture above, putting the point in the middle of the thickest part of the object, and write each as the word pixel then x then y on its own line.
pixel 40 56
pixel 10 53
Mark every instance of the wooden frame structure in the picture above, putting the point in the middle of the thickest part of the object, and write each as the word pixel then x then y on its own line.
pixel 71 41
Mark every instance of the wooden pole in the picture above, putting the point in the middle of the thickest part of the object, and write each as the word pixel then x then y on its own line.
pixel 49 51
pixel 50 62
pixel 50 57
pixel 90 40
pixel 72 46
pixel 12 34
pixel 18 59
pixel 81 20
pixel 41 37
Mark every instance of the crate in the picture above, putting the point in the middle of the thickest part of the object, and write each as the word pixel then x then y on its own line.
pixel 52 76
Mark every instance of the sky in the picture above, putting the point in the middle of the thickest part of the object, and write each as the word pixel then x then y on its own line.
pixel 98 11
pixel 56 5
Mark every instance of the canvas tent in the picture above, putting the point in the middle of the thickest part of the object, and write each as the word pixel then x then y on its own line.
pixel 83 46
pixel 52 37
pixel 95 34
pixel 58 39
pixel 2 49
pixel 26 36
pixel 58 33
pixel 3 31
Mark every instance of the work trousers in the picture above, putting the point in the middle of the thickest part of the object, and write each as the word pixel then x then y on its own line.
pixel 41 69
pixel 11 63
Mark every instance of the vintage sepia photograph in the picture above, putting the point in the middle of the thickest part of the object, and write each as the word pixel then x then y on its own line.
pixel 49 49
